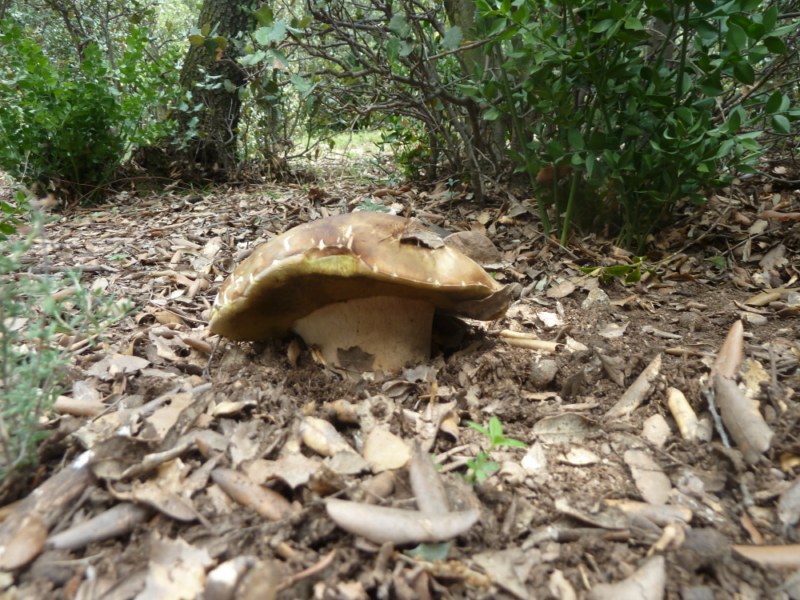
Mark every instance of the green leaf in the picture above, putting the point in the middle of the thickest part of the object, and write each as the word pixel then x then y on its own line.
pixel 602 26
pixel 249 60
pixel 264 15
pixel 749 5
pixel 724 149
pixel 781 124
pixel 492 114
pixel 712 85
pixel 769 18
pixel 775 103
pixel 755 31
pixel 399 26
pixel 719 262
pixel 633 277
pixel 736 38
pixel 685 115
pixel 633 24
pixel 302 85
pixel 452 38
pixel 495 429
pixel 735 119
pixel 479 428
pixel 575 138
pixel 744 72
pixel 392 49
pixel 775 45
pixel 430 552
pixel 280 57
pixel 512 443
pixel 271 35
pixel 705 6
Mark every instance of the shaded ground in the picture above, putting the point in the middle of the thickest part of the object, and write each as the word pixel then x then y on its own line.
pixel 548 528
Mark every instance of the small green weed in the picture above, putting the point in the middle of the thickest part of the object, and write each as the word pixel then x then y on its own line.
pixel 628 274
pixel 11 214
pixel 481 467
pixel 36 313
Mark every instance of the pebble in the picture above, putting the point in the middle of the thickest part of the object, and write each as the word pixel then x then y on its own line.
pixel 543 372
pixel 656 431
pixel 595 297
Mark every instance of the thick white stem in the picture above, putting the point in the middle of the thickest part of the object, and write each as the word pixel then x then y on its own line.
pixel 395 331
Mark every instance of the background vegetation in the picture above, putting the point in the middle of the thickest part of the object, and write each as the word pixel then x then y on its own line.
pixel 611 111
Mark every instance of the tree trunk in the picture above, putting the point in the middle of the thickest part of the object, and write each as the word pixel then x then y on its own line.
pixel 207 140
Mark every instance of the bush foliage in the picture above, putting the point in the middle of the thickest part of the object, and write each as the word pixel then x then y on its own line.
pixel 614 111
pixel 629 106
pixel 68 126
pixel 638 103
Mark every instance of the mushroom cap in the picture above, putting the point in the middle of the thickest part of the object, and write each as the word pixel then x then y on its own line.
pixel 356 255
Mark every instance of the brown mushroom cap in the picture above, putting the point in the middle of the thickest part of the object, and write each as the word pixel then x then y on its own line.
pixel 344 257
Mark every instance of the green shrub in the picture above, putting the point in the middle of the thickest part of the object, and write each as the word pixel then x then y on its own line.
pixel 410 145
pixel 70 126
pixel 639 104
pixel 11 215
pixel 33 365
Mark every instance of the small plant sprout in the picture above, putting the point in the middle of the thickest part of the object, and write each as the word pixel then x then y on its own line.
pixel 481 467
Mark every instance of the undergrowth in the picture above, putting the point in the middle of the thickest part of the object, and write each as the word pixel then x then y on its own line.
pixel 44 318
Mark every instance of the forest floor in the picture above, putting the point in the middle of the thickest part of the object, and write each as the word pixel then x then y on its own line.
pixel 217 483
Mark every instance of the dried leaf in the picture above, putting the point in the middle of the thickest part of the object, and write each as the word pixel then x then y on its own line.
pixel 322 437
pixel 475 245
pixel 646 583
pixel 23 543
pixel 561 290
pixel 731 353
pixel 580 457
pixel 381 524
pixel 509 568
pixel 789 505
pixel 116 521
pixel 650 480
pixel 682 412
pixel 564 429
pixel 747 427
pixel 613 366
pixel 176 570
pixel 426 483
pixel 637 392
pixel 776 557
pixel 384 451
pixel 660 514
pixel 612 331
pixel 294 469
pixel 266 502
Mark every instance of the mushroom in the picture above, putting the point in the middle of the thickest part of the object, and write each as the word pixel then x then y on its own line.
pixel 362 287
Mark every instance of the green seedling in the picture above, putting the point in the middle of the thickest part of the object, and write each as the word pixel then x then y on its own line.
pixel 481 467
pixel 628 274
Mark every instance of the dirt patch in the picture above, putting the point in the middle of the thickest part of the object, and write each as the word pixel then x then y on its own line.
pixel 551 522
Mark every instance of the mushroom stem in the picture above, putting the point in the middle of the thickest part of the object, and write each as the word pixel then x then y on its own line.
pixel 395 331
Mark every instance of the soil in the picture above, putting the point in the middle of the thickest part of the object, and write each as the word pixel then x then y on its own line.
pixel 171 429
